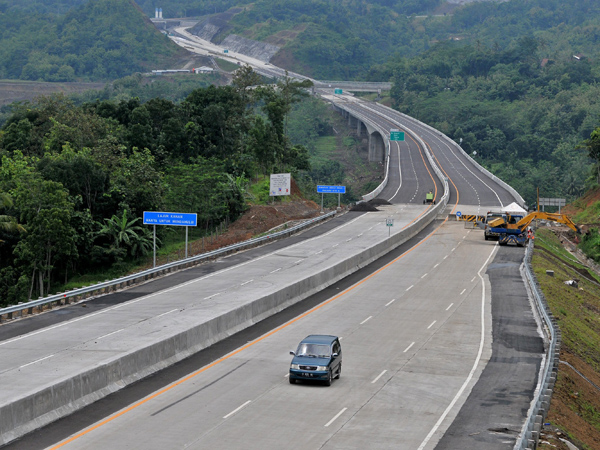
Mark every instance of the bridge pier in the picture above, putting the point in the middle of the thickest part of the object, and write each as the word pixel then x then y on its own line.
pixel 376 147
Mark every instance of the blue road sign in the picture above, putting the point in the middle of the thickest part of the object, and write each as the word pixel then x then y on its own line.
pixel 169 218
pixel 458 214
pixel 321 189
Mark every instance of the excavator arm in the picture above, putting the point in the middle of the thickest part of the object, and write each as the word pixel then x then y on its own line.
pixel 560 218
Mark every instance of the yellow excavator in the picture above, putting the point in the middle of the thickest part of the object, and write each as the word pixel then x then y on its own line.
pixel 516 232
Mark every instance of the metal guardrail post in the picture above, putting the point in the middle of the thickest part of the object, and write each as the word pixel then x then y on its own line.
pixel 112 285
pixel 530 432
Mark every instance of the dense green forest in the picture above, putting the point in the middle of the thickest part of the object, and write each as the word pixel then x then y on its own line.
pixel 517 85
pixel 75 180
pixel 522 109
pixel 100 40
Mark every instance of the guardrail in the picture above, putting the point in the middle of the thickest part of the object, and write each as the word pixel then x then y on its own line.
pixel 530 433
pixel 354 84
pixel 120 283
pixel 482 169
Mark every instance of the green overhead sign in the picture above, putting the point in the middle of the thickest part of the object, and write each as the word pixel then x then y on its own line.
pixel 396 135
pixel 337 91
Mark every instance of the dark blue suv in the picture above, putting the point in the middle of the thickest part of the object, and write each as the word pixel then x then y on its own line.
pixel 318 358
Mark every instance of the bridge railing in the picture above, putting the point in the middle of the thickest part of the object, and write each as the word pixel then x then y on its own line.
pixel 120 283
pixel 482 169
pixel 530 433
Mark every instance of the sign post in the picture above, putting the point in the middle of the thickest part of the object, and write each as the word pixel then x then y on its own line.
pixel 173 219
pixel 389 222
pixel 323 189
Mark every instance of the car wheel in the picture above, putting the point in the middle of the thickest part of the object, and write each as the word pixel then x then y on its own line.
pixel 292 381
pixel 339 372
pixel 487 238
pixel 329 379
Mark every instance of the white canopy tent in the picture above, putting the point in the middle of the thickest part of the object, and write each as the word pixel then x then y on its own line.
pixel 514 209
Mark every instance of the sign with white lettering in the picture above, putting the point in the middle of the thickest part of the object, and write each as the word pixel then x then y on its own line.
pixel 169 218
pixel 322 189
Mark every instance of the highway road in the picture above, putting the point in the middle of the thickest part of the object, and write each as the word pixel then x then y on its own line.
pixel 411 353
pixel 416 334
pixel 468 186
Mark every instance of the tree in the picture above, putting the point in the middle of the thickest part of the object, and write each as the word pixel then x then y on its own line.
pixel 8 223
pixel 50 240
pixel 244 78
pixel 125 237
pixel 592 145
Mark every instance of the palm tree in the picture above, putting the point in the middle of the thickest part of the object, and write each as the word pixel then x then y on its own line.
pixel 8 223
pixel 126 236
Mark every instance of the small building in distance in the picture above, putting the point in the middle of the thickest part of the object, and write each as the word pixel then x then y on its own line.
pixel 203 69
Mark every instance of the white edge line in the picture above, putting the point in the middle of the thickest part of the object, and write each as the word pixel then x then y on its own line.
pixel 335 417
pixel 408 348
pixel 36 361
pixel 378 377
pixel 475 363
pixel 236 409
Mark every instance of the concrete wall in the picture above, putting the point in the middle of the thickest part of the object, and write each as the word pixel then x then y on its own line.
pixel 59 398
pixel 248 47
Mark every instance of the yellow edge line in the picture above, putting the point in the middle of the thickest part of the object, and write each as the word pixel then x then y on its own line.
pixel 214 363
pixel 224 358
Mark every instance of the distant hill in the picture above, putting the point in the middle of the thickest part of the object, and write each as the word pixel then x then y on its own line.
pixel 99 40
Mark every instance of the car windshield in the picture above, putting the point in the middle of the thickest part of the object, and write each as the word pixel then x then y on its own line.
pixel 314 350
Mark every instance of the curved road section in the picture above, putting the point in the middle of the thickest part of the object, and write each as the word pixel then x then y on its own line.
pixel 416 333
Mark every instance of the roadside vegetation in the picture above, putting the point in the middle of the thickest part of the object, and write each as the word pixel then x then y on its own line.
pixel 575 407
pixel 77 178
pixel 99 40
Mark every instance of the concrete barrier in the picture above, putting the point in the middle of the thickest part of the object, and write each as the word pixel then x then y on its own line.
pixel 60 397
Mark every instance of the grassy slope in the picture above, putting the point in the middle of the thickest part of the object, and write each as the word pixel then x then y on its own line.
pixel 575 406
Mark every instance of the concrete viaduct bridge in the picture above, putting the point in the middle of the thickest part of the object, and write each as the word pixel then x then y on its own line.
pixel 378 143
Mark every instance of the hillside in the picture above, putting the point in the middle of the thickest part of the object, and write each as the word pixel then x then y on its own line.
pixel 574 413
pixel 100 40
